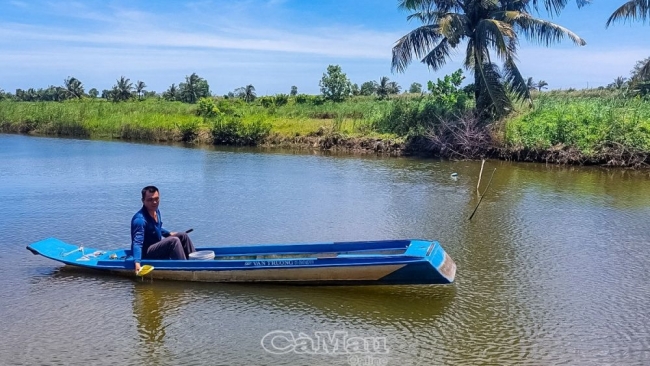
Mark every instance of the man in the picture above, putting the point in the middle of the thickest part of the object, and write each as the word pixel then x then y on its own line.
pixel 148 238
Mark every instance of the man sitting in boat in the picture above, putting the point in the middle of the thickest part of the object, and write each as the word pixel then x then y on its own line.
pixel 149 240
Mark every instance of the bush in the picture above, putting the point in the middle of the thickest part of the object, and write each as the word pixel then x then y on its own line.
pixel 232 131
pixel 206 108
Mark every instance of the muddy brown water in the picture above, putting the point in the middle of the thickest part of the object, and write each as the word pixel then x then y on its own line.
pixel 553 269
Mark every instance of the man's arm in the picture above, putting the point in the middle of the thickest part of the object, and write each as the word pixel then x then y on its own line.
pixel 137 231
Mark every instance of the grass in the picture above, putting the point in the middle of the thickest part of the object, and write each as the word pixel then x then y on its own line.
pixel 586 121
pixel 583 120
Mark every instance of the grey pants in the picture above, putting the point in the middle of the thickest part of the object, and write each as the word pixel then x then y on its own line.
pixel 178 246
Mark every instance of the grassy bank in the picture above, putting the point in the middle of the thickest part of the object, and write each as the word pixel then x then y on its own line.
pixel 591 126
pixel 582 127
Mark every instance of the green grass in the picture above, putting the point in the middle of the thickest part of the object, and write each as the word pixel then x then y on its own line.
pixel 585 121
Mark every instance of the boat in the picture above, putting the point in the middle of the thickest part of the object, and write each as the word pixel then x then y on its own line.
pixel 383 262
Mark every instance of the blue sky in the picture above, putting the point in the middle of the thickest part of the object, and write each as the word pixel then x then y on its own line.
pixel 272 44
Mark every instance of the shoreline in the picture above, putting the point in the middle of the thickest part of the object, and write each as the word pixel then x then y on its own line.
pixel 611 156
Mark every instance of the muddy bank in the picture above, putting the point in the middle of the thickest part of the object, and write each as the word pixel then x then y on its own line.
pixel 423 146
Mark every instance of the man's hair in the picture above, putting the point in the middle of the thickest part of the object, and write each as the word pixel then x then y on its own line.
pixel 150 189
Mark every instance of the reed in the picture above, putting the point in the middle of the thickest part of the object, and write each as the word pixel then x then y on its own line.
pixel 586 121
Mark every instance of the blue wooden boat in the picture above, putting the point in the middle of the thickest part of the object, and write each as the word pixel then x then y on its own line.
pixel 387 262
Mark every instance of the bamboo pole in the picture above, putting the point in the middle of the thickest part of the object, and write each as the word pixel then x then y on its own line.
pixel 479 178
pixel 483 195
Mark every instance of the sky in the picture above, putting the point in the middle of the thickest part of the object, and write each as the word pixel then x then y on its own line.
pixel 271 44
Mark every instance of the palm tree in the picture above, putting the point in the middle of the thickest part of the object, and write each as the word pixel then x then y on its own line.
pixel 190 90
pixel 490 29
pixel 123 90
pixel 633 10
pixel 394 88
pixel 139 88
pixel 542 85
pixel 171 94
pixel 618 83
pixel 382 88
pixel 74 88
pixel 530 84
pixel 247 93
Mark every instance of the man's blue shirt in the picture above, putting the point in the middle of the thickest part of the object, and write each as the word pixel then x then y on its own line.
pixel 145 231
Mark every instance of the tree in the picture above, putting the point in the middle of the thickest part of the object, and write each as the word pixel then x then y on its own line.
pixel 354 89
pixel 618 83
pixel 415 88
pixel 394 88
pixel 542 85
pixel 93 93
pixel 294 91
pixel 123 90
pixel 490 29
pixel 368 88
pixel 639 82
pixel 335 85
pixel 247 93
pixel 634 10
pixel 193 89
pixel 171 94
pixel 637 71
pixel 74 88
pixel 530 84
pixel 139 88
pixel 381 88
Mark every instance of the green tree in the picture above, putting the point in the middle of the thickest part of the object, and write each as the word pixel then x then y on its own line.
pixel 394 88
pixel 123 90
pixel 531 84
pixel 618 83
pixel 542 85
pixel 171 94
pixel 354 89
pixel 294 91
pixel 634 10
pixel 139 88
pixel 490 30
pixel 193 89
pixel 415 88
pixel 74 88
pixel 382 88
pixel 93 93
pixel 368 88
pixel 247 93
pixel 335 85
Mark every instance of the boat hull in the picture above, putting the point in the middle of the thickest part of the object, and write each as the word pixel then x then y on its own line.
pixel 346 263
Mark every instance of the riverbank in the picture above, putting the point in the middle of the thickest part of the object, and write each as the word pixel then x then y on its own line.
pixel 581 127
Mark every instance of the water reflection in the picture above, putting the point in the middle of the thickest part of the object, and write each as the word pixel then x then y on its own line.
pixel 151 308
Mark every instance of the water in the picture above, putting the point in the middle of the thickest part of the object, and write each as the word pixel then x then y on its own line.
pixel 553 268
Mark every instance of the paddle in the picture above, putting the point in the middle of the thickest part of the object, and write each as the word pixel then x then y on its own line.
pixel 145 270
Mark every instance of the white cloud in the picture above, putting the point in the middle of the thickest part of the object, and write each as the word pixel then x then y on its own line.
pixel 235 43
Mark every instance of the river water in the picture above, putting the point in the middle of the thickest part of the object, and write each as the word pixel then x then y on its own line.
pixel 552 269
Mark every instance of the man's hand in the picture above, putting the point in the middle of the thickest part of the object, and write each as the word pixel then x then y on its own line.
pixel 137 267
pixel 173 233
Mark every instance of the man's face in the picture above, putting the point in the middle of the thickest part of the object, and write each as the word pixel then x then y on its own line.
pixel 151 201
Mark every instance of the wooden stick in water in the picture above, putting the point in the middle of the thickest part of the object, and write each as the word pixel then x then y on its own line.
pixel 483 195
pixel 479 177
